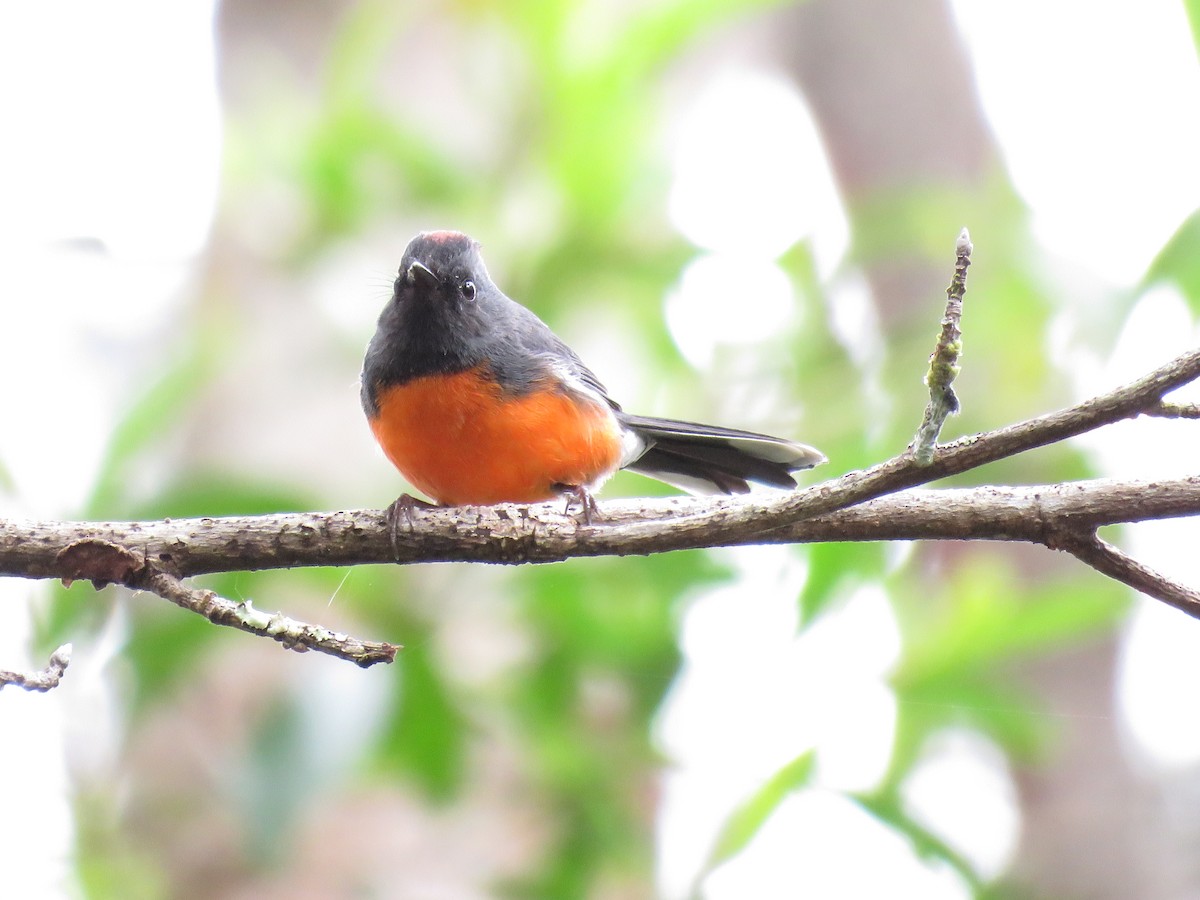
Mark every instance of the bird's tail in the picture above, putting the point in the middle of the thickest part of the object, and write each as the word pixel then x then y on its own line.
pixel 709 459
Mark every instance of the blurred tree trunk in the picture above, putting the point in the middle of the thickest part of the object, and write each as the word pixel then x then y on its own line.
pixel 892 92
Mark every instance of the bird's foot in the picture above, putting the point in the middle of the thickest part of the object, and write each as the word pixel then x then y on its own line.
pixel 588 508
pixel 400 513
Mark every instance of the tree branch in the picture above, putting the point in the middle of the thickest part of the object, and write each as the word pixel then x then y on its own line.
pixel 1164 410
pixel 875 504
pixel 543 533
pixel 943 362
pixel 45 680
pixel 291 633
pixel 1108 560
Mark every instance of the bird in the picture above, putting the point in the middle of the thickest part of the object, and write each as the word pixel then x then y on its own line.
pixel 476 401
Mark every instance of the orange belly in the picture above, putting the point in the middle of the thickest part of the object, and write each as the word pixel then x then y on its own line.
pixel 458 440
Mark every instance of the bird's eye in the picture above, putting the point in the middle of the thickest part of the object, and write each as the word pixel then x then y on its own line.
pixel 468 290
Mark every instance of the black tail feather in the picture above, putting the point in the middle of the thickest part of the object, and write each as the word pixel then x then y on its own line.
pixel 712 459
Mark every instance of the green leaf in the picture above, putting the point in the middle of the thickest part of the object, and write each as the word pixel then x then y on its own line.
pixel 110 862
pixel 746 821
pixel 888 810
pixel 983 620
pixel 359 162
pixel 602 653
pixel 165 645
pixel 425 732
pixel 166 402
pixel 983 701
pixel 360 48
pixel 70 612
pixel 1192 7
pixel 666 29
pixel 1179 260
pixel 963 631
pixel 833 571
pixel 425 729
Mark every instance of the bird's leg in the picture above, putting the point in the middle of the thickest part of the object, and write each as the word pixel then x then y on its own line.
pixel 578 493
pixel 401 510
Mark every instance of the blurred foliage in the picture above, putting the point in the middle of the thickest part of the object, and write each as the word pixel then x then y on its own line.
pixel 970 627
pixel 574 123
pixel 1179 262
pixel 1193 14
pixel 745 821
pixel 889 809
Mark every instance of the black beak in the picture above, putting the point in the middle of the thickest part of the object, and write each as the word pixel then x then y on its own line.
pixel 419 272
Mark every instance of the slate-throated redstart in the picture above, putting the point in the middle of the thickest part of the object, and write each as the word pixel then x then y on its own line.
pixel 476 401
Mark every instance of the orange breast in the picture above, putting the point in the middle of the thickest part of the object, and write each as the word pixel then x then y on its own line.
pixel 459 440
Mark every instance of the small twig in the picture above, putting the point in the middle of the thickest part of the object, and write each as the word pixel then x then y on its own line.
pixel 45 680
pixel 293 634
pixel 1164 409
pixel 104 562
pixel 943 362
pixel 1090 548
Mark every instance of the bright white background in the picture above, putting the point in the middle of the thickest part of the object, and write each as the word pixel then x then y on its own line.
pixel 1070 118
